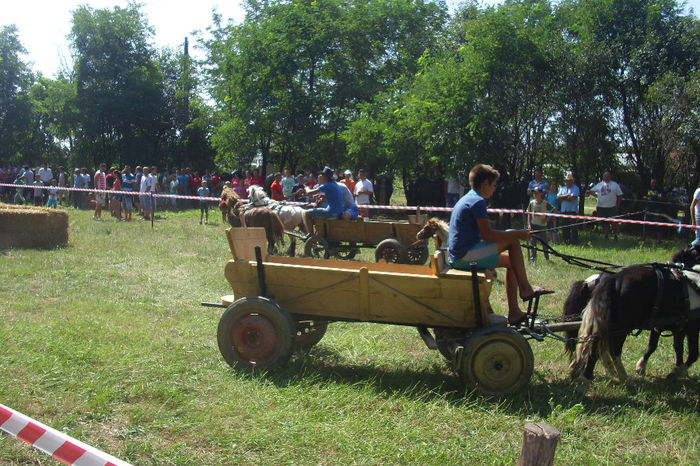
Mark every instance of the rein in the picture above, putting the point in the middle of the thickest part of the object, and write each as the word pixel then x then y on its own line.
pixel 588 221
pixel 578 261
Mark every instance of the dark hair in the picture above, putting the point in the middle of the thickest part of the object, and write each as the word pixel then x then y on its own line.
pixel 481 173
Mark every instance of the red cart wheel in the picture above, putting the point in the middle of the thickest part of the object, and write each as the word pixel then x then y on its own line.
pixel 256 332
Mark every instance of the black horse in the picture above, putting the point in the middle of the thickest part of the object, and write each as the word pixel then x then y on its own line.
pixel 637 297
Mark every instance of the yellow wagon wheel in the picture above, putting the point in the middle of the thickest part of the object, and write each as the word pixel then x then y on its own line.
pixel 496 361
pixel 256 332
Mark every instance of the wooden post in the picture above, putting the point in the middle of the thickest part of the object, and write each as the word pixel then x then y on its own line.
pixel 539 443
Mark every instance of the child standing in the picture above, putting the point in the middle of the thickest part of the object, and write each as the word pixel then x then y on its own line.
pixel 203 191
pixel 38 192
pixel 554 202
pixel 538 222
pixel 53 194
pixel 19 198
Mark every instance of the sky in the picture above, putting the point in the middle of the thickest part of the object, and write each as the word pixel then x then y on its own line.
pixel 43 25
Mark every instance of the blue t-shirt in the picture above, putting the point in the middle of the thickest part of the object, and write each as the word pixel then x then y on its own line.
pixel 464 231
pixel 203 192
pixel 183 181
pixel 552 199
pixel 569 206
pixel 334 196
pixel 128 181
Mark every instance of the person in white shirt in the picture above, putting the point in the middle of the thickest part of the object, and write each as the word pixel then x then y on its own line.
pixel 45 174
pixel 695 215
pixel 363 193
pixel 609 195
pixel 146 188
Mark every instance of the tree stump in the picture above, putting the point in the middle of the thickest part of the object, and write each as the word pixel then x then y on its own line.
pixel 539 443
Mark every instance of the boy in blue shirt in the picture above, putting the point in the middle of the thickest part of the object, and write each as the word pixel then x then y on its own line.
pixel 471 239
pixel 203 191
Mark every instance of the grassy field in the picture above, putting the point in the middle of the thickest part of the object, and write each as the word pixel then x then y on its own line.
pixel 105 340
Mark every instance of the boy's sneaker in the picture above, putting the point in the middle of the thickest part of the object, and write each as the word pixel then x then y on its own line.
pixel 200 222
pixel 206 222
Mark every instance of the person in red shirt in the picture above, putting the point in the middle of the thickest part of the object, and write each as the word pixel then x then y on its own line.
pixel 256 179
pixel 276 188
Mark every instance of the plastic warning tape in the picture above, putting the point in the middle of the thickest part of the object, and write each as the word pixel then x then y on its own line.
pixel 52 442
pixel 383 207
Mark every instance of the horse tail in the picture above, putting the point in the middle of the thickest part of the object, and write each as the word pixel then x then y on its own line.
pixel 575 303
pixel 276 228
pixel 595 325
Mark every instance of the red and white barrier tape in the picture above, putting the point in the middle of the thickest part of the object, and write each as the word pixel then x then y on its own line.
pixel 380 207
pixel 52 442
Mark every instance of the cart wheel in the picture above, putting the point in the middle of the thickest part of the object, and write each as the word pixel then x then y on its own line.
pixel 346 252
pixel 496 361
pixel 417 255
pixel 309 332
pixel 391 251
pixel 256 332
pixel 442 336
pixel 316 247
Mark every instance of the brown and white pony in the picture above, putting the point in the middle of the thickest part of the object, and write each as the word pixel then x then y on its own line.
pixel 239 216
pixel 624 301
pixel 436 228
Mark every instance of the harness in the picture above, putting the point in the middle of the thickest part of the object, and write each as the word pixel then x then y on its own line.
pixel 677 274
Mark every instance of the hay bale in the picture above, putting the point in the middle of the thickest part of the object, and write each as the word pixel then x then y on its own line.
pixel 32 227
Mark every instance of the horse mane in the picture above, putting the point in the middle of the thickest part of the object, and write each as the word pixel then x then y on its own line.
pixel 230 196
pixel 441 230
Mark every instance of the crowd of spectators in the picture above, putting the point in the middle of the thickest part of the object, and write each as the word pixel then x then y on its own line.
pixel 41 188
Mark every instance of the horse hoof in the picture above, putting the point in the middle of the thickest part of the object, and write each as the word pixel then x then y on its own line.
pixel 641 367
pixel 582 385
pixel 678 373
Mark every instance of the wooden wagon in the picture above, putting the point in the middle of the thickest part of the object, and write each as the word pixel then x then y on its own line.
pixel 282 303
pixel 392 241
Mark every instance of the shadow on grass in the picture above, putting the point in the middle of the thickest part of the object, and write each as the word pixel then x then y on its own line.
pixel 322 365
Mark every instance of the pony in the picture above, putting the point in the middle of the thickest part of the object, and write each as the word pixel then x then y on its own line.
pixel 292 216
pixel 436 228
pixel 632 299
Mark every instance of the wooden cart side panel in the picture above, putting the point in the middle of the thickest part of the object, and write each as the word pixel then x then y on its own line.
pixel 376 232
pixel 341 230
pixel 347 294
pixel 406 233
pixel 355 265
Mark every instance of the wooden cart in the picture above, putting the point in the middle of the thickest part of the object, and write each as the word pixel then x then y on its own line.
pixel 282 303
pixel 392 241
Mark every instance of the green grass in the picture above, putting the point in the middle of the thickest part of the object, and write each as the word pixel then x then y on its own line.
pixel 105 340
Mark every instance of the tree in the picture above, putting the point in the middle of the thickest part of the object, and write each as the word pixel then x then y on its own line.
pixel 291 77
pixel 119 86
pixel 16 120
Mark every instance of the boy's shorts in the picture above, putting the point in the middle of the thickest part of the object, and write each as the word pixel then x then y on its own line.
pixel 484 253
pixel 100 198
pixel 203 207
pixel 127 202
pixel 146 203
pixel 323 212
